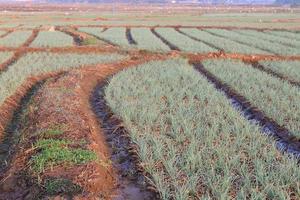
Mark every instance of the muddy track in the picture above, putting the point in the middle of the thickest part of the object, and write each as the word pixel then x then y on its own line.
pixel 243 43
pixel 198 40
pixel 129 37
pixel 285 141
pixel 271 72
pixel 132 183
pixel 166 42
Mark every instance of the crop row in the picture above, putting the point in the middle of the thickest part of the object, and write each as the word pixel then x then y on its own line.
pixel 285 34
pixel 113 35
pixel 185 39
pixel 191 140
pixel 225 44
pixel 33 64
pixel 146 40
pixel 15 39
pixel 184 43
pixel 275 97
pixel 4 56
pixel 289 69
pixel 272 38
pixel 208 40
pixel 52 39
pixel 271 47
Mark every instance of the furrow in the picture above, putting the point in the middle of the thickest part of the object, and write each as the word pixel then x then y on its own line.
pixel 243 43
pixel 285 141
pixel 77 40
pixel 34 34
pixel 259 66
pixel 131 180
pixel 166 42
pixel 102 39
pixel 129 37
pixel 198 40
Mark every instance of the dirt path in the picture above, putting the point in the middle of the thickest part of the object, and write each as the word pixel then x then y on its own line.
pixel 65 102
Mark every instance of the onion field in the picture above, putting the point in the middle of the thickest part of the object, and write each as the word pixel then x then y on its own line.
pixel 99 101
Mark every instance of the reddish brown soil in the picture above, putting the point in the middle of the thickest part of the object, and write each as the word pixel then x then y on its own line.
pixel 70 94
pixel 12 103
pixel 250 58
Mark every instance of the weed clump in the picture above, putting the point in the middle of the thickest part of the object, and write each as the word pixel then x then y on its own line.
pixel 53 152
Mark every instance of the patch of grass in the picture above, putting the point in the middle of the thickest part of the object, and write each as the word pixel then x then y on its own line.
pixel 91 41
pixel 61 186
pixel 53 152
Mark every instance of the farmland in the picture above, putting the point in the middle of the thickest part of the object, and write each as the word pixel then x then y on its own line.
pixel 161 102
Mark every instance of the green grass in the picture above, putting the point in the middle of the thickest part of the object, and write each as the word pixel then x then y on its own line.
pixel 277 98
pixel 52 39
pixel 52 131
pixel 192 141
pixel 53 152
pixel 184 43
pixel 91 41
